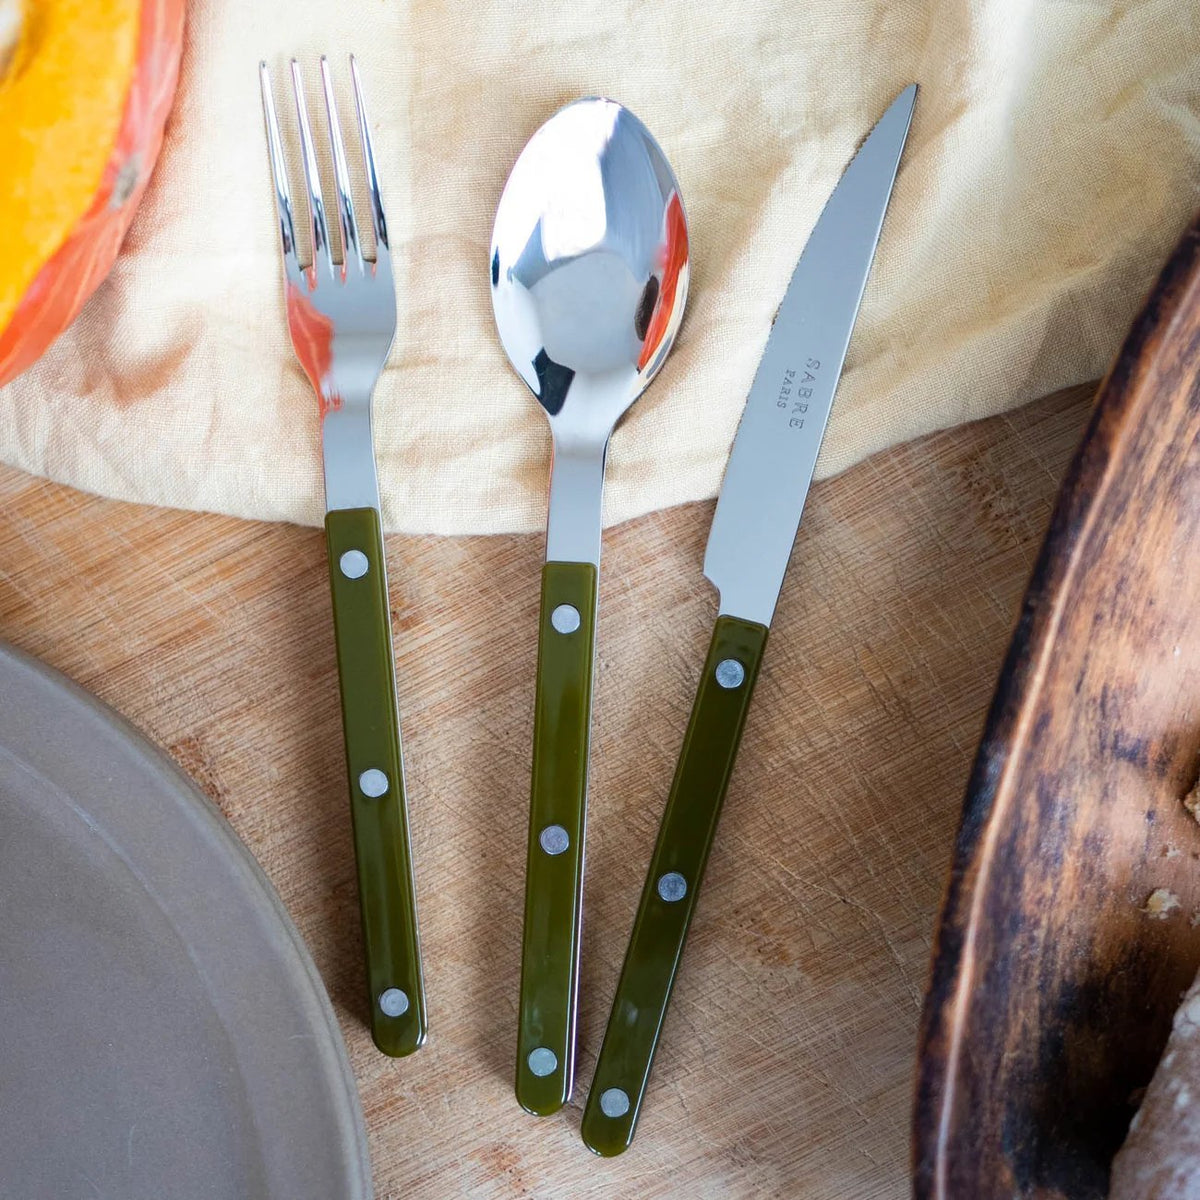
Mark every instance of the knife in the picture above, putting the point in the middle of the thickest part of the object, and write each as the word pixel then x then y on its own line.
pixel 758 513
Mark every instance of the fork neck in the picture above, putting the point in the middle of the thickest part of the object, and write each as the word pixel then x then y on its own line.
pixel 349 454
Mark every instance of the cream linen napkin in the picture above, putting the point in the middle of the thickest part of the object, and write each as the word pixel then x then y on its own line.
pixel 1053 161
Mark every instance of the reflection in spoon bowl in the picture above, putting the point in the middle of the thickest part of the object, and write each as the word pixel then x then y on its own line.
pixel 589 258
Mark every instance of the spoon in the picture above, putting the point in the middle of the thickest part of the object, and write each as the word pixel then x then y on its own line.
pixel 589 278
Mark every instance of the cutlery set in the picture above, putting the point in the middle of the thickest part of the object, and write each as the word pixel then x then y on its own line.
pixel 589 275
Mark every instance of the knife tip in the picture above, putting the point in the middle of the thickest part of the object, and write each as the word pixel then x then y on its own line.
pixel 904 104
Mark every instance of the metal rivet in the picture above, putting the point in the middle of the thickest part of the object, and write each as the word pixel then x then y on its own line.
pixel 373 782
pixel 554 839
pixel 354 564
pixel 672 886
pixel 393 1003
pixel 614 1102
pixel 565 618
pixel 543 1061
pixel 730 673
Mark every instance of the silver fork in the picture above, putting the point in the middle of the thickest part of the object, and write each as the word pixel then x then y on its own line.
pixel 342 319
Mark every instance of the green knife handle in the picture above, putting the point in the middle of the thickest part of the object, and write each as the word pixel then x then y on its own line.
pixel 371 724
pixel 672 885
pixel 554 866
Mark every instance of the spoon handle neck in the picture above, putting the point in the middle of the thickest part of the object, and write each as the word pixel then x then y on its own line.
pixel 576 495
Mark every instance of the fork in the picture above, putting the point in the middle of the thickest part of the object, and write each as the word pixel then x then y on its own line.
pixel 342 319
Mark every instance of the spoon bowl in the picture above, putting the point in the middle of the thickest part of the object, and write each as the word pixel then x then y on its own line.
pixel 589 265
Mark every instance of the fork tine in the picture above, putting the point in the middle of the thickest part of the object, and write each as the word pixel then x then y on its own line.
pixel 322 258
pixel 377 218
pixel 350 250
pixel 283 194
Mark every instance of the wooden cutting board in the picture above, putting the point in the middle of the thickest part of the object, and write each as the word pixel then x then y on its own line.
pixel 787 1061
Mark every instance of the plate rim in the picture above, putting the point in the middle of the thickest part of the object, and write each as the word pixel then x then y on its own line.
pixel 192 804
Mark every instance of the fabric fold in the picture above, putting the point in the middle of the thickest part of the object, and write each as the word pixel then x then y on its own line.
pixel 1054 159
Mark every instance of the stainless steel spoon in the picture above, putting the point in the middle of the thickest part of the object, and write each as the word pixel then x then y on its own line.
pixel 589 278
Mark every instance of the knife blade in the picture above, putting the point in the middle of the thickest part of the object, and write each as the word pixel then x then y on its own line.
pixel 754 527
pixel 775 451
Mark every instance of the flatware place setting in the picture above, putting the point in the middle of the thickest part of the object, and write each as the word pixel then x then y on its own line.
pixel 188 1009
pixel 589 272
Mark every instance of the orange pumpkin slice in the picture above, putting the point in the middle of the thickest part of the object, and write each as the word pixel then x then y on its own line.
pixel 84 92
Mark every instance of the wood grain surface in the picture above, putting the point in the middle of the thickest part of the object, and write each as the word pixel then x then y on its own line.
pixel 786 1066
pixel 1057 971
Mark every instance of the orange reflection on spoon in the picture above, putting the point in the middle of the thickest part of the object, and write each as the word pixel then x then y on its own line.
pixel 675 255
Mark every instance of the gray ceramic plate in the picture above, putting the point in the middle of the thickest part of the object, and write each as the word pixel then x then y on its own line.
pixel 163 1032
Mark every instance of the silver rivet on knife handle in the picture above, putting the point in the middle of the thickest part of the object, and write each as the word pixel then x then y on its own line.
pixel 614 1102
pixel 730 673
pixel 672 886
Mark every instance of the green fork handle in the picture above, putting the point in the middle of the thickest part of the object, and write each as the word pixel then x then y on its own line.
pixel 557 813
pixel 371 724
pixel 672 885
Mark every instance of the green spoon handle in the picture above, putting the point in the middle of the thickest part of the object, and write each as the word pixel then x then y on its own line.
pixel 672 885
pixel 557 811
pixel 371 724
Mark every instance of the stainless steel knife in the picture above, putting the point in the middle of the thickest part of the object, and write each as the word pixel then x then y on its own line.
pixel 757 516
